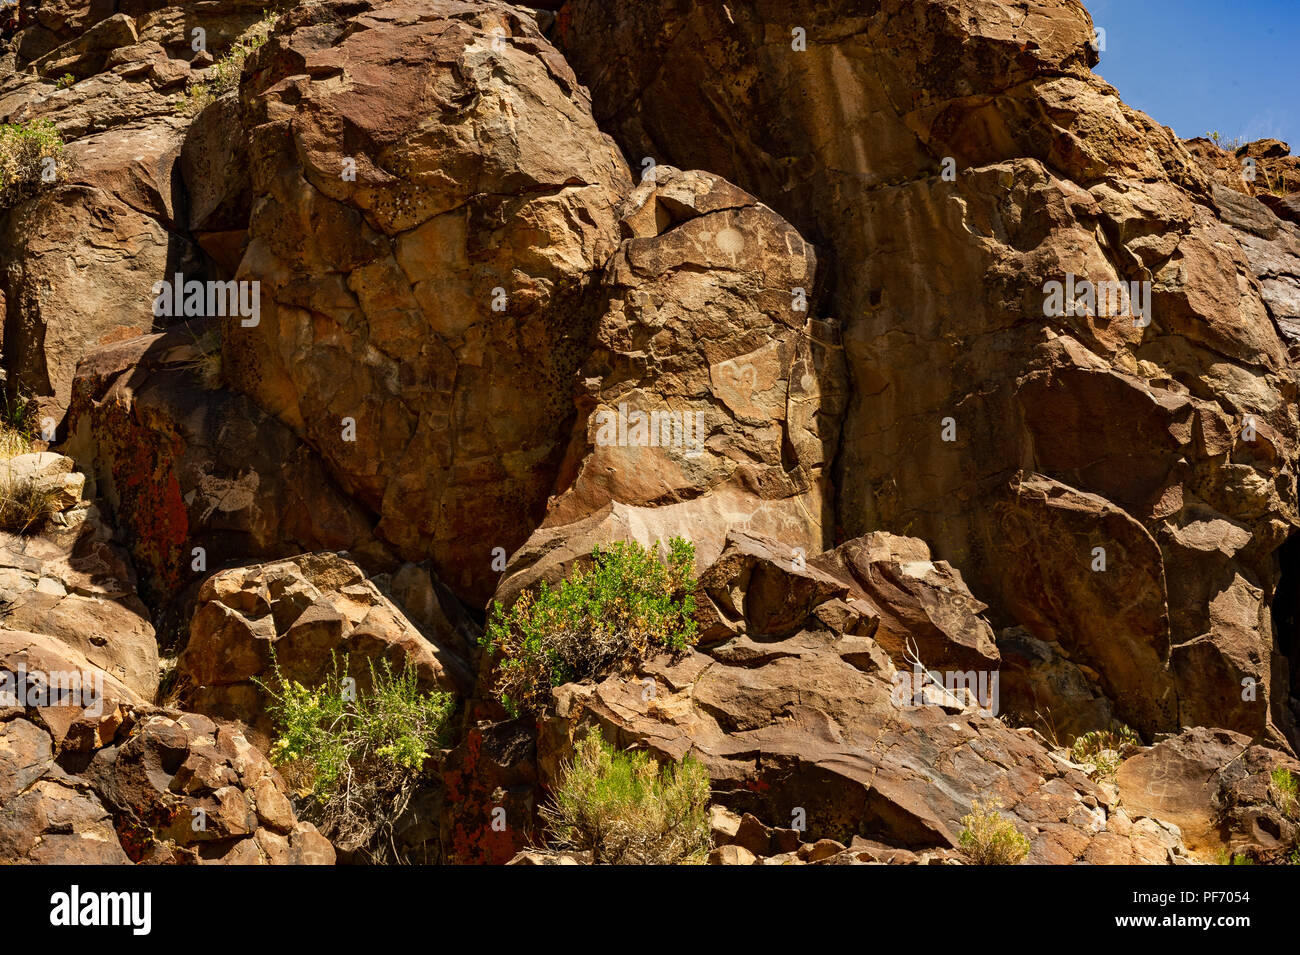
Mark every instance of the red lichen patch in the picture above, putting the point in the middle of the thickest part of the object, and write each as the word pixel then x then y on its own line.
pixel 139 836
pixel 473 798
pixel 149 503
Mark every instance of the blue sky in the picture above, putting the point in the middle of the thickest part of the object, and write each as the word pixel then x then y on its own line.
pixel 1200 65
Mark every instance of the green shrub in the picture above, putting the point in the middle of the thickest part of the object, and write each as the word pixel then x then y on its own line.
pixel 626 810
pixel 624 607
pixel 223 76
pixel 354 756
pixel 31 156
pixel 1105 749
pixel 65 81
pixel 989 837
pixel 1223 857
pixel 1282 789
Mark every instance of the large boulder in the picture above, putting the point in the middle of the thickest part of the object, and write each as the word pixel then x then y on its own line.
pixel 431 202
pixel 1215 786
pixel 307 615
pixel 711 400
pixel 879 586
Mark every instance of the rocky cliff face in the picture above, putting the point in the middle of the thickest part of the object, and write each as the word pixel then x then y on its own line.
pixel 1070 431
pixel 929 343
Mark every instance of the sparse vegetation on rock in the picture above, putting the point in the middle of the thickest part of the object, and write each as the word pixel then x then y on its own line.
pixel 354 754
pixel 25 505
pixel 223 76
pixel 31 157
pixel 16 427
pixel 626 605
pixel 1282 789
pixel 625 809
pixel 462 298
pixel 1105 749
pixel 989 837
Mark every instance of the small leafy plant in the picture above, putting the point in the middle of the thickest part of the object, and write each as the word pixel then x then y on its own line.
pixel 65 81
pixel 1282 790
pixel 989 837
pixel 31 156
pixel 1224 142
pixel 354 756
pixel 223 76
pixel 626 810
pixel 1105 749
pixel 1224 857
pixel 626 606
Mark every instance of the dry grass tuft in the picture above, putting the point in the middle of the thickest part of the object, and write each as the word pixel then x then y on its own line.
pixel 25 506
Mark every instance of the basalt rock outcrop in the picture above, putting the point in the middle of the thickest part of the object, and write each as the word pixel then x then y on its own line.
pixel 804 284
pixel 1216 786
pixel 309 616
pixel 1129 432
pixel 711 400
pixel 198 476
pixel 814 723
pixel 81 258
pixel 431 203
pixel 92 774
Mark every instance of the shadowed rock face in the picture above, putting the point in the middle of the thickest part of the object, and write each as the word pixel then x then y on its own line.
pixel 1069 432
pixel 186 464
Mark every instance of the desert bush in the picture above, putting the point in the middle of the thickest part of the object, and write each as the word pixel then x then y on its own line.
pixel 31 156
pixel 223 76
pixel 25 505
pixel 989 837
pixel 1231 144
pixel 1105 749
pixel 354 757
pixel 625 606
pixel 1282 790
pixel 627 810
pixel 17 427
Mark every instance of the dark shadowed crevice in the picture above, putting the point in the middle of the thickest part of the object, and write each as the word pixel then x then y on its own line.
pixel 1286 611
